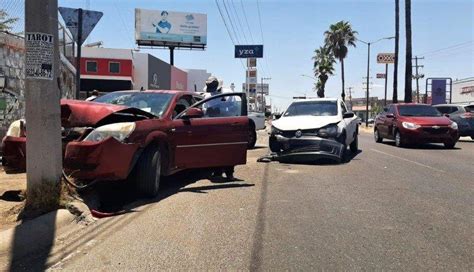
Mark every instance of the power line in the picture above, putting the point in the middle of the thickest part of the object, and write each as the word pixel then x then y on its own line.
pixel 228 31
pixel 231 23
pixel 226 27
pixel 246 20
pixel 238 20
pixel 447 48
pixel 261 33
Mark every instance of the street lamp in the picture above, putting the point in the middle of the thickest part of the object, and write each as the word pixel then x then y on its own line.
pixel 262 98
pixel 368 74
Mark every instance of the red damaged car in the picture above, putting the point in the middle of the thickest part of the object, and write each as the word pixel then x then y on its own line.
pixel 143 135
pixel 415 124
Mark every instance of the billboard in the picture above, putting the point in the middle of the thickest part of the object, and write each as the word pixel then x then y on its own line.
pixel 159 74
pixel 169 28
pixel 438 91
pixel 248 51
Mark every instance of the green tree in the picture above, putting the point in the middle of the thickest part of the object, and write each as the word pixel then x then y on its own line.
pixel 408 67
pixel 6 22
pixel 323 68
pixel 339 36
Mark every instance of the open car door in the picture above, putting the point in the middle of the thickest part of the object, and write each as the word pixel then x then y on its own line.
pixel 212 133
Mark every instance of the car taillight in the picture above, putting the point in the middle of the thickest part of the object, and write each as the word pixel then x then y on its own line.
pixel 467 115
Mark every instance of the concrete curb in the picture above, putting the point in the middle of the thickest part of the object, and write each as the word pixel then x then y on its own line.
pixel 35 235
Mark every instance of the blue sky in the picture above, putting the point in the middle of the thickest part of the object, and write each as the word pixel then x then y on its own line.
pixel 292 29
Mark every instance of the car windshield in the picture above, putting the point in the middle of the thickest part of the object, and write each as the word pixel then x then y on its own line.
pixel 315 108
pixel 155 103
pixel 418 110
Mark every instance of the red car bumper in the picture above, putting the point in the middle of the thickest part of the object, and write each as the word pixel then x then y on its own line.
pixel 430 135
pixel 14 154
pixel 105 160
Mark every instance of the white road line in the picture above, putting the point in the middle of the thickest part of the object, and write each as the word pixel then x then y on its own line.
pixel 414 162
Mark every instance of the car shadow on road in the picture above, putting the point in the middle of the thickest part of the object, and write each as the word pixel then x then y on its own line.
pixel 430 146
pixel 121 197
pixel 350 156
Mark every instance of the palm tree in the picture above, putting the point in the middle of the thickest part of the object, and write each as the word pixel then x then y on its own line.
pixel 397 37
pixel 338 38
pixel 408 72
pixel 323 67
pixel 5 22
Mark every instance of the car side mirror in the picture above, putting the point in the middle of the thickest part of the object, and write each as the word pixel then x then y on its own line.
pixel 390 115
pixel 348 114
pixel 447 115
pixel 193 113
pixel 277 116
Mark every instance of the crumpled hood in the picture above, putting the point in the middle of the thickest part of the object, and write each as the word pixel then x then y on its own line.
pixel 77 113
pixel 304 122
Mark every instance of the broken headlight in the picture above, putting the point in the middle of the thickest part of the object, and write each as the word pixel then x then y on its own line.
pixel 119 131
pixel 328 132
pixel 276 131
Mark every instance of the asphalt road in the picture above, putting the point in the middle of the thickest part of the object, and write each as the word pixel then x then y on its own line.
pixel 386 209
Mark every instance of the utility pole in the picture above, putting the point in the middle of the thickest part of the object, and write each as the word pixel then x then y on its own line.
pixel 417 76
pixel 367 97
pixel 43 147
pixel 79 52
pixel 350 96
pixel 262 93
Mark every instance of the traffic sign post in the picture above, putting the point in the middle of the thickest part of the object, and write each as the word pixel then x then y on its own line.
pixel 385 58
pixel 80 23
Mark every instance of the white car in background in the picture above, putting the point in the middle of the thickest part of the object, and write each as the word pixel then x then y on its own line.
pixel 312 129
pixel 257 122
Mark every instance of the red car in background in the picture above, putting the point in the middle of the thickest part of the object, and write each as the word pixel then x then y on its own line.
pixel 143 135
pixel 415 124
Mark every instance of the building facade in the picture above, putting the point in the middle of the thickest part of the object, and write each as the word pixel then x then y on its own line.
pixel 463 91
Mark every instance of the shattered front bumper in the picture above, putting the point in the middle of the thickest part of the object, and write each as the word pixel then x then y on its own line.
pixel 105 160
pixel 307 148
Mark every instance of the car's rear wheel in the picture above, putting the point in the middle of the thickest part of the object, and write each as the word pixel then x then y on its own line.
pixel 449 145
pixel 399 141
pixel 377 137
pixel 148 171
pixel 252 137
pixel 355 143
pixel 472 137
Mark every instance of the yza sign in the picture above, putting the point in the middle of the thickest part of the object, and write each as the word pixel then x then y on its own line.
pixel 248 51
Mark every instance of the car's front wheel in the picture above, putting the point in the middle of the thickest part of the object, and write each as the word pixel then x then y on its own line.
pixel 449 145
pixel 399 141
pixel 355 143
pixel 274 145
pixel 148 171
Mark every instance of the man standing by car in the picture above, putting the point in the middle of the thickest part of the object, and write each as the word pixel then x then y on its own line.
pixel 214 108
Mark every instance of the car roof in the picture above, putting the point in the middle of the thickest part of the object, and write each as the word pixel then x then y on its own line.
pixel 411 104
pixel 160 91
pixel 316 99
pixel 449 105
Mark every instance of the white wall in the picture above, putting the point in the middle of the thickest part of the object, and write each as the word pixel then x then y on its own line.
pixel 457 88
pixel 197 77
pixel 140 71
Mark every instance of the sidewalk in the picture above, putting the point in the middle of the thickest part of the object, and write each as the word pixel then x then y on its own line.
pixel 10 205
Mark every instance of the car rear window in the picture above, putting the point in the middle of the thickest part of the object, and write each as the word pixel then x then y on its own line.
pixel 315 108
pixel 418 110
